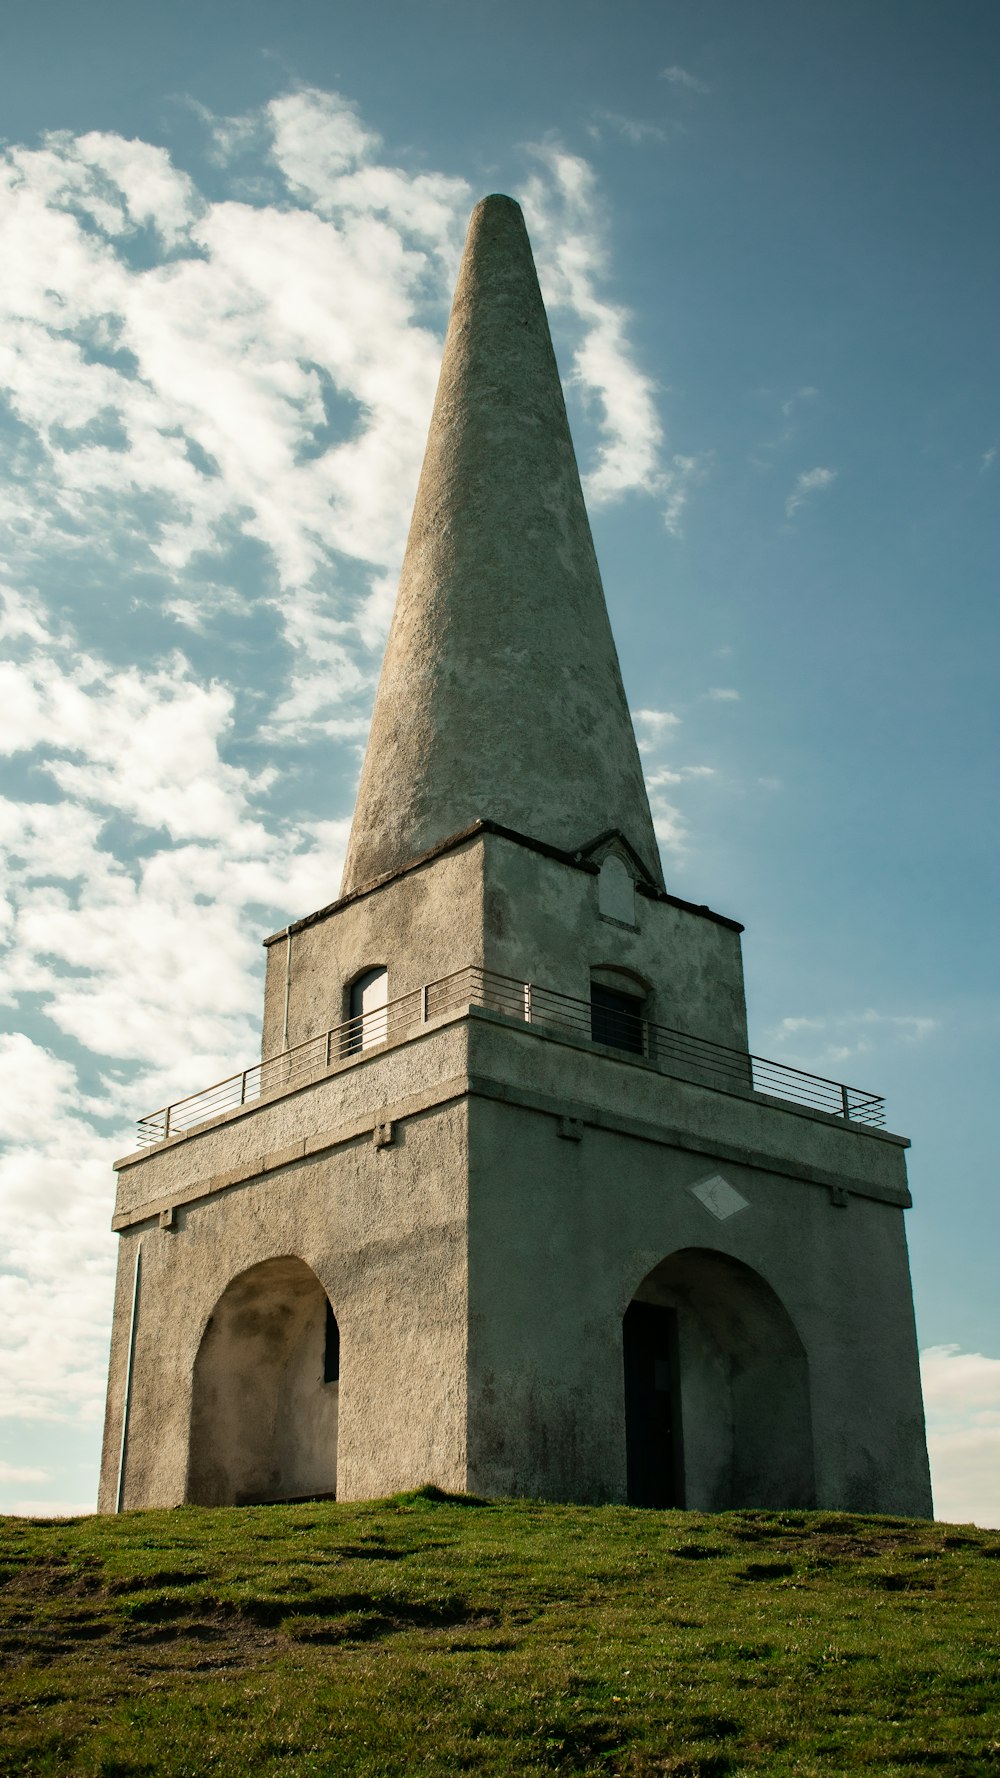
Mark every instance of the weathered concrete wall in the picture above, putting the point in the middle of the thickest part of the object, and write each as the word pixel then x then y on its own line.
pixel 543 924
pixel 482 1346
pixel 383 1229
pixel 420 926
pixel 563 1233
pixel 748 1129
pixel 492 903
pixel 347 1102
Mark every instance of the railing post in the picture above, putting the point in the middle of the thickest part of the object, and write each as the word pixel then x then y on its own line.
pixel 328 1037
pixel 527 1003
pixel 243 1088
pixel 425 1001
pixel 846 1104
pixel 166 1122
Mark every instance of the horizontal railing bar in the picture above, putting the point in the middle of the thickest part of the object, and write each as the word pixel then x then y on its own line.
pixel 541 1007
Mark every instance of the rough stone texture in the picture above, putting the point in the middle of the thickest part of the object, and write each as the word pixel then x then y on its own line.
pixel 383 1230
pixel 263 1417
pixel 493 903
pixel 420 926
pixel 500 695
pixel 812 1400
pixel 480 1265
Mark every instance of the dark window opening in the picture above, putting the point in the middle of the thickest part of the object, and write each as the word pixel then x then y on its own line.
pixel 331 1348
pixel 616 1019
pixel 652 1406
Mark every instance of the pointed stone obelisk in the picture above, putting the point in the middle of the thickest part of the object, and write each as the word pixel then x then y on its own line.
pixel 500 696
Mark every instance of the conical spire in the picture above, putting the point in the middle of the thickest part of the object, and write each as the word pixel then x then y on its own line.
pixel 500 696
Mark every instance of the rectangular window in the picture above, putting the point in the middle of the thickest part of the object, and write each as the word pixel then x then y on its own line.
pixel 616 1019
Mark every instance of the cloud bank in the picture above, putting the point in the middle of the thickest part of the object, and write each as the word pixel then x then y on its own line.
pixel 212 414
pixel 962 1401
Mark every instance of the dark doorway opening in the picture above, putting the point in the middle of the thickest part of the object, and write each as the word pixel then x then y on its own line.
pixel 652 1406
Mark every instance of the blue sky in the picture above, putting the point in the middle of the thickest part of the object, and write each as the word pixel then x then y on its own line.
pixel 229 234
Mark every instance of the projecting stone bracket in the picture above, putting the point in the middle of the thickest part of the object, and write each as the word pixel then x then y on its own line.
pixel 383 1135
pixel 571 1128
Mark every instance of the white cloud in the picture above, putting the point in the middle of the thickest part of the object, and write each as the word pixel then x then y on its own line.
pixel 962 1403
pixel 987 460
pixel 152 192
pixel 811 481
pixel 724 695
pixel 201 388
pixel 563 213
pixel 669 826
pixel 633 129
pixel 681 77
pixel 677 775
pixel 271 376
pixel 317 138
pixel 58 1271
pixel 51 1509
pixel 655 729
pixel 148 961
pixel 683 474
pixel 807 392
pixel 215 410
pixel 12 1472
pixel 840 1037
pixel 656 721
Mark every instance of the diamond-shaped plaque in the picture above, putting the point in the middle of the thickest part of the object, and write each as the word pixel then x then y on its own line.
pixel 720 1199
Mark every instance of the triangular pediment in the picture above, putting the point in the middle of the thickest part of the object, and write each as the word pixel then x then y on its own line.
pixel 613 840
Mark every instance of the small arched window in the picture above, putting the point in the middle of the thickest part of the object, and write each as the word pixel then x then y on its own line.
pixel 367 1010
pixel 616 890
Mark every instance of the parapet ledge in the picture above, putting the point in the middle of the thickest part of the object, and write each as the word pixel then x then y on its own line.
pixel 573 860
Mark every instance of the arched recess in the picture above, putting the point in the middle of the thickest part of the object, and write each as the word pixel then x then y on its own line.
pixel 266 1390
pixel 717 1389
pixel 616 890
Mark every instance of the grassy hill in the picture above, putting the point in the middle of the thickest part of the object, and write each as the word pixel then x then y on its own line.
pixel 432 1635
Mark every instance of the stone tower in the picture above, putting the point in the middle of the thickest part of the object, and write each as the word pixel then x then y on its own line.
pixel 508 1206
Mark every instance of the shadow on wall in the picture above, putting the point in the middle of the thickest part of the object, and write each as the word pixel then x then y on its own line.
pixel 266 1391
pixel 717 1390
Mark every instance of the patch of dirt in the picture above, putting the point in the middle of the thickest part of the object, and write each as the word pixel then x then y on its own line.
pixel 160 1577
pixel 700 1552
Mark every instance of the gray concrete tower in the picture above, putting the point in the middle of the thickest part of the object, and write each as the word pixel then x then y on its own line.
pixel 507 1204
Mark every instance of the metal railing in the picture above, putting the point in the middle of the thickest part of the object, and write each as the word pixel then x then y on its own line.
pixel 618 1032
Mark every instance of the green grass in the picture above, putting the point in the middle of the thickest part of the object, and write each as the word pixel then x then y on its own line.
pixel 434 1635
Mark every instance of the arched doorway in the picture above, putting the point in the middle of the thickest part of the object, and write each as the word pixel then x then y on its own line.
pixel 266 1390
pixel 717 1410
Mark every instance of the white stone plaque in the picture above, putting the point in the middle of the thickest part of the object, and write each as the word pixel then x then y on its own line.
pixel 720 1199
